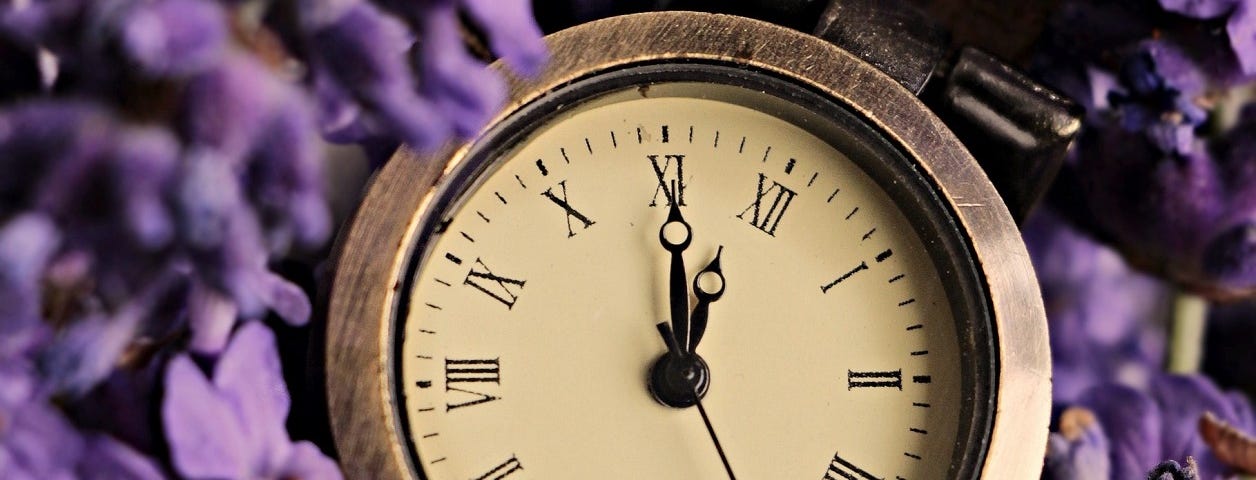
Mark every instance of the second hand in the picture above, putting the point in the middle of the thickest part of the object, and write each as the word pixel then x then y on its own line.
pixel 673 348
pixel 707 420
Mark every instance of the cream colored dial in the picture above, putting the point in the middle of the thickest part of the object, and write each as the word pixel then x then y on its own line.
pixel 530 331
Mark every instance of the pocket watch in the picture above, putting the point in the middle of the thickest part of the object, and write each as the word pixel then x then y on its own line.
pixel 697 246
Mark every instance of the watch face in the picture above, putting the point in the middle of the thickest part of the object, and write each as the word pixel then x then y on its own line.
pixel 845 333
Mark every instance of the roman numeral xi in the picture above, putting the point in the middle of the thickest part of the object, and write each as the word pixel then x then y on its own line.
pixel 673 190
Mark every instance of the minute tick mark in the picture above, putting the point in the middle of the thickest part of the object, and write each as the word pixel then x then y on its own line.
pixel 716 144
pixel 897 278
pixel 869 234
pixel 588 146
pixel 907 302
pixel 520 180
pixel 564 152
pixel 468 237
pixel 766 152
pixel 742 147
pixel 482 217
pixel 433 307
pixel 881 257
pixel 831 195
pixel 813 178
pixel 665 134
pixel 915 327
pixel 691 134
pixel 852 213
pixel 614 143
pixel 501 198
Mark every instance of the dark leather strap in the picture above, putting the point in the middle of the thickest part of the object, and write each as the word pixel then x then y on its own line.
pixel 892 35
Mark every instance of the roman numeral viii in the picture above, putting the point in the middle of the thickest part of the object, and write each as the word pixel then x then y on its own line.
pixel 502 289
pixel 767 215
pixel 571 212
pixel 887 379
pixel 474 372
pixel 502 471
pixel 839 468
pixel 673 190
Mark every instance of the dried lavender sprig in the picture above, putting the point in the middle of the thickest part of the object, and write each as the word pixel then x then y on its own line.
pixel 1155 173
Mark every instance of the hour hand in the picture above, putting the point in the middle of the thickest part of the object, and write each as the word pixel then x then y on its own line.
pixel 675 235
pixel 708 286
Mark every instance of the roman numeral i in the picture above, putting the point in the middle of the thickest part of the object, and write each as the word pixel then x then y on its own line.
pixel 886 379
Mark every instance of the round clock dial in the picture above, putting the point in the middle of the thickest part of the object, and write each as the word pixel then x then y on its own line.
pixel 530 329
pixel 710 247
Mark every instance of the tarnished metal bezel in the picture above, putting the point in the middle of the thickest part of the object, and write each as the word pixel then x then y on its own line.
pixel 377 245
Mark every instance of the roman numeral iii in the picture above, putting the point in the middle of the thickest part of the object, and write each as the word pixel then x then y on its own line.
pixel 478 371
pixel 571 212
pixel 767 215
pixel 886 379
pixel 502 289
pixel 673 189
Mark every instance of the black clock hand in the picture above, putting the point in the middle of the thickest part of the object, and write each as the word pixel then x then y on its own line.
pixel 698 321
pixel 707 420
pixel 678 287
pixel 692 363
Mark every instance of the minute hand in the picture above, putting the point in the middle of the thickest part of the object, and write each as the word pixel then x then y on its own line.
pixel 678 286
pixel 698 321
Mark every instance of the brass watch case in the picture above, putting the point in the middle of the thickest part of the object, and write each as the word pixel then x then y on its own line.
pixel 374 249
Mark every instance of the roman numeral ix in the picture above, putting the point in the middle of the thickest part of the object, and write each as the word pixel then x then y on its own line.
pixel 502 289
pixel 767 218
pixel 474 372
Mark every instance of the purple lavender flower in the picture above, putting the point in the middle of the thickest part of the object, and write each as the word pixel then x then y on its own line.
pixel 1102 314
pixel 363 74
pixel 1142 428
pixel 232 426
pixel 1155 172
pixel 37 442
pixel 1078 450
